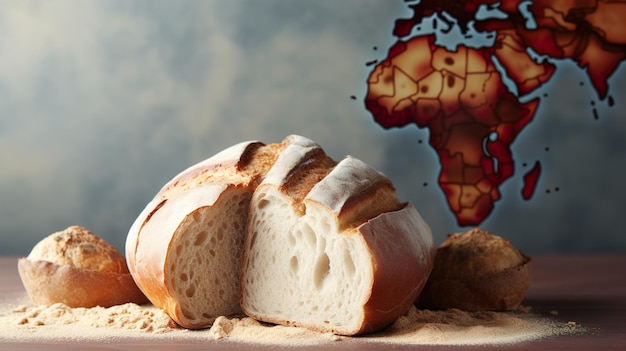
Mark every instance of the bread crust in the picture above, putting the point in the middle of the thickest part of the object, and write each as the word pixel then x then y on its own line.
pixel 402 249
pixel 48 283
pixel 225 166
pixel 354 192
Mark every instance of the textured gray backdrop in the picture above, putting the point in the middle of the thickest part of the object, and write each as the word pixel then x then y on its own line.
pixel 103 102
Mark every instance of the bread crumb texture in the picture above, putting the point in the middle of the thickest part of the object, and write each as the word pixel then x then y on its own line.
pixel 23 322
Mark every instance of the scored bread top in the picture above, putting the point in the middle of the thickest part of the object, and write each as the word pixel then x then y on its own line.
pixel 239 164
pixel 242 164
pixel 298 168
pixel 365 193
pixel 351 189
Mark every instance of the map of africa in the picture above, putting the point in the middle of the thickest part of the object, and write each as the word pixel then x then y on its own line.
pixel 460 95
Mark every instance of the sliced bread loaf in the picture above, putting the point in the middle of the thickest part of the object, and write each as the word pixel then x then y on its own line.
pixel 184 248
pixel 330 247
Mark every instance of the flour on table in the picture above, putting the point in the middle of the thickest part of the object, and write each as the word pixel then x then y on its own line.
pixel 127 316
pixel 58 322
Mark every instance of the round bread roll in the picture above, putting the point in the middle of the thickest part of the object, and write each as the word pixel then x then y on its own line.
pixel 477 271
pixel 79 269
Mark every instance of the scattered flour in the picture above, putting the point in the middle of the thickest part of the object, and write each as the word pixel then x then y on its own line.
pixel 128 316
pixel 24 322
pixel 456 327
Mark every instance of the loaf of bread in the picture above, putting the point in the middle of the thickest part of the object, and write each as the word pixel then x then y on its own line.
pixel 184 248
pixel 329 246
pixel 77 268
pixel 477 271
pixel 347 255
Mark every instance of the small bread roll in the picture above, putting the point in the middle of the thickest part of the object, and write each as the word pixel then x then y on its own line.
pixel 477 271
pixel 77 268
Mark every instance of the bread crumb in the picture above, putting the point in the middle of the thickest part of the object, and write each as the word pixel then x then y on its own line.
pixel 222 327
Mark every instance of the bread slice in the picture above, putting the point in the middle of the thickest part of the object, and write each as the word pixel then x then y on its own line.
pixel 330 247
pixel 184 248
pixel 79 269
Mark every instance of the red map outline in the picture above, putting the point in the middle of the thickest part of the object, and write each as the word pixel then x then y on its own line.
pixel 461 98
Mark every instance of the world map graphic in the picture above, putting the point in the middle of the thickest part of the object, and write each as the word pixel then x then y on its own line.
pixel 470 97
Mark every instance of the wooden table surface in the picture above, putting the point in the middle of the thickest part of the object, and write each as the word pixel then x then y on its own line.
pixel 589 290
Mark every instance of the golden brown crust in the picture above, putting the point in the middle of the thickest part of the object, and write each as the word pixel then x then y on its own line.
pixel 78 247
pixel 476 271
pixel 355 192
pixel 229 166
pixel 48 283
pixel 402 264
pixel 241 166
pixel 78 268
pixel 312 167
pixel 379 197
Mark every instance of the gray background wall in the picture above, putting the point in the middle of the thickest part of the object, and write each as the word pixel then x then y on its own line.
pixel 101 103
